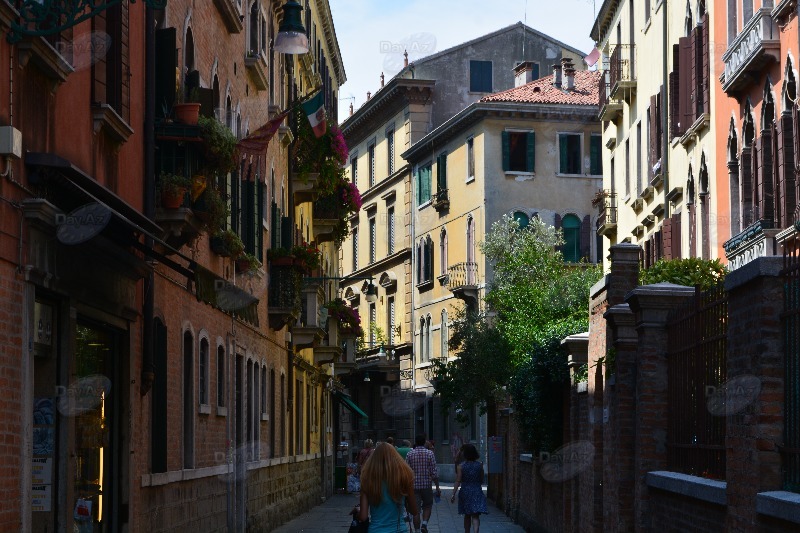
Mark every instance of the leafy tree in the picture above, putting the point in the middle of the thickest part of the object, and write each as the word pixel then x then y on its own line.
pixel 480 372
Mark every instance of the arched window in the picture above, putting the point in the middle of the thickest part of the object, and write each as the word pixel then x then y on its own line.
pixel 189 51
pixel 254 23
pixel 571 227
pixel 522 219
pixel 445 334
pixel 421 353
pixel 443 252
pixel 203 376
pixel 221 375
pixel 229 113
pixel 188 400
pixel 428 338
pixel 470 251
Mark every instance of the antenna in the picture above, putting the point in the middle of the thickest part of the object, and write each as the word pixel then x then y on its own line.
pixel 524 27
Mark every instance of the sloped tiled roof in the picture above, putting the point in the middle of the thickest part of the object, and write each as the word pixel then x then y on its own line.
pixel 542 91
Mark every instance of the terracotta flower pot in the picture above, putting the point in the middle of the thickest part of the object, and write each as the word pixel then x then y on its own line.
pixel 172 198
pixel 187 113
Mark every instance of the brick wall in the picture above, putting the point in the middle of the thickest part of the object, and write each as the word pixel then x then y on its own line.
pixel 676 513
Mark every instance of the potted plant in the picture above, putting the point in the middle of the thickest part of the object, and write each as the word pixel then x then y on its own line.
pixel 186 112
pixel 306 256
pixel 219 146
pixel 599 198
pixel 211 208
pixel 227 243
pixel 348 317
pixel 172 188
pixel 280 257
pixel 247 263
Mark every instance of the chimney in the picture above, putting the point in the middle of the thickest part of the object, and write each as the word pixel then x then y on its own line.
pixel 523 73
pixel 381 79
pixel 369 94
pixel 351 109
pixel 557 75
pixel 405 58
pixel 569 74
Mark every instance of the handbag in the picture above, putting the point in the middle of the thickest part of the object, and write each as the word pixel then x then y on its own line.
pixel 359 527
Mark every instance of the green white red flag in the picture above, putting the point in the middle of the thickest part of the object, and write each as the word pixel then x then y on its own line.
pixel 314 109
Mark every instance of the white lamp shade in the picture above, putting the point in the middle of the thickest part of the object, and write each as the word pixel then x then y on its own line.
pixel 291 42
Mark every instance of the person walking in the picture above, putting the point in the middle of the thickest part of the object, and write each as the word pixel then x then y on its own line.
pixel 387 487
pixel 423 463
pixel 404 449
pixel 364 454
pixel 471 500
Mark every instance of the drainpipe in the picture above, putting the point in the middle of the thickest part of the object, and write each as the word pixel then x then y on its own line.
pixel 148 369
pixel 664 115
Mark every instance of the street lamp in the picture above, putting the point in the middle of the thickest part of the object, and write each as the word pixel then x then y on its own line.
pixel 291 37
pixel 371 294
pixel 366 378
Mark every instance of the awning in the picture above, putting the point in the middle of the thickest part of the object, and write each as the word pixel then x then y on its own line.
pixel 225 296
pixel 350 404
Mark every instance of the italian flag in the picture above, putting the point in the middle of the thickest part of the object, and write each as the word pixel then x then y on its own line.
pixel 315 111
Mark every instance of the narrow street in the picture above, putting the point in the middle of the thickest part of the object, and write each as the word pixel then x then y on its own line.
pixel 333 516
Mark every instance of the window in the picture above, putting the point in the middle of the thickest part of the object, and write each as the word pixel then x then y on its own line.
pixel 390 151
pixel 355 248
pixel 519 151
pixel 480 76
pixel 522 219
pixel 203 384
pixel 390 319
pixel 596 154
pixel 470 159
pixel 444 334
pixel 627 167
pixel 443 252
pixel 254 47
pixel 390 230
pixel 421 352
pixel 571 226
pixel 111 85
pixel 373 319
pixel 158 400
pixel 424 185
pixel 371 159
pixel 569 150
pixel 428 338
pixel 220 376
pixel 425 260
pixel 441 172
pixel 354 168
pixel 188 400
pixel 373 240
pixel 263 390
pixel 639 148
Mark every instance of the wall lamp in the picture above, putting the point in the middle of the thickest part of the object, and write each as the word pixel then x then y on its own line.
pixel 291 37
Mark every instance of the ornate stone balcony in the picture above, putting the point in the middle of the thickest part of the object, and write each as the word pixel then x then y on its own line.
pixel 309 329
pixel 622 71
pixel 757 240
pixel 257 66
pixel 756 46
pixel 462 280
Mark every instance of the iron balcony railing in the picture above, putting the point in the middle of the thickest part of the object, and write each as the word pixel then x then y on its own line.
pixel 284 288
pixel 462 275
pixel 622 71
pixel 608 210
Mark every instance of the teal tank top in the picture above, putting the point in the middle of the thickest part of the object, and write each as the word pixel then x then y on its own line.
pixel 387 517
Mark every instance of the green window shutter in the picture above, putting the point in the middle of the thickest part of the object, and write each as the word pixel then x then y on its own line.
pixel 259 229
pixel 571 227
pixel 506 151
pixel 563 152
pixel 425 185
pixel 531 160
pixel 441 172
pixel 419 187
pixel 596 155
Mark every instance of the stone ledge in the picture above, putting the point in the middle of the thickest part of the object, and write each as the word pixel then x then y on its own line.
pixel 695 487
pixel 779 504
pixel 762 266
pixel 599 287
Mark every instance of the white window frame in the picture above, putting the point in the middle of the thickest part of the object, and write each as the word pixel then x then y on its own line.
pixel 203 381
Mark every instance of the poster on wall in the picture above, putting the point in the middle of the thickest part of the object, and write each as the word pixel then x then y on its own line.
pixel 43 448
pixel 42 498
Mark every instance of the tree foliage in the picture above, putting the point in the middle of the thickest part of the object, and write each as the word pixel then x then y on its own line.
pixel 481 370
pixel 536 300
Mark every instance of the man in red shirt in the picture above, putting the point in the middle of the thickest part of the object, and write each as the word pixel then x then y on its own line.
pixel 423 463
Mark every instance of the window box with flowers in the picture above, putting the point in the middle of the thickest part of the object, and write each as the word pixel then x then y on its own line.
pixel 325 156
pixel 304 257
pixel 226 243
pixel 332 212
pixel 348 319
pixel 247 263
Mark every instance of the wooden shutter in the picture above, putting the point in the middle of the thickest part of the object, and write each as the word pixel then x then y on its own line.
pixel 563 154
pixel 504 136
pixel 667 228
pixel 586 238
pixel 765 164
pixel 653 136
pixel 697 72
pixel 676 236
pixel 165 70
pixel 531 152
pixel 660 133
pixel 757 177
pixel 441 172
pixel 685 75
pixel 705 88
pixel 746 185
pixel 596 154
pixel 674 94
pixel 259 224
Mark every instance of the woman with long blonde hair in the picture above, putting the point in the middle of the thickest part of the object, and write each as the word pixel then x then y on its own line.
pixel 387 486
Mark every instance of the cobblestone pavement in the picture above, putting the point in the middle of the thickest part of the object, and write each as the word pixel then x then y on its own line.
pixel 332 516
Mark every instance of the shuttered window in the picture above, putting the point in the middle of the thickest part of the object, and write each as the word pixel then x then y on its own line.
pixel 571 227
pixel 441 172
pixel 519 151
pixel 596 154
pixel 424 184
pixel 390 229
pixel 480 76
pixel 569 149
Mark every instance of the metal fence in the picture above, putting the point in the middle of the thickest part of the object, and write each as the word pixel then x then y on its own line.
pixel 697 365
pixel 791 331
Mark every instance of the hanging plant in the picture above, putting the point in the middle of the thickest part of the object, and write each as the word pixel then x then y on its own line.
pixel 348 317
pixel 219 146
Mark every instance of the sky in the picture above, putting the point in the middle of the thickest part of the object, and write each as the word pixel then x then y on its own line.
pixel 372 34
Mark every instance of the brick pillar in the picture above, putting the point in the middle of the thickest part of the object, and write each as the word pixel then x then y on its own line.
pixel 624 275
pixel 577 355
pixel 618 442
pixel 651 305
pixel 755 349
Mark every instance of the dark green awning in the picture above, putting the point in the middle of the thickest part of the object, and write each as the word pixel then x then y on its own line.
pixel 350 404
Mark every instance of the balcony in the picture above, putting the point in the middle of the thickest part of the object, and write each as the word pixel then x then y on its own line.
pixel 441 200
pixel 607 221
pixel 305 189
pixel 622 71
pixel 309 329
pixel 326 218
pixel 757 46
pixel 231 15
pixel 462 280
pixel 330 350
pixel 610 108
pixel 256 64
pixel 284 302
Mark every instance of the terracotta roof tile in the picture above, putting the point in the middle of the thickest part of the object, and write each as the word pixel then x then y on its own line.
pixel 542 91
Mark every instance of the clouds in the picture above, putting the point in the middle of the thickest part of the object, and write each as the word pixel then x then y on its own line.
pixel 372 34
